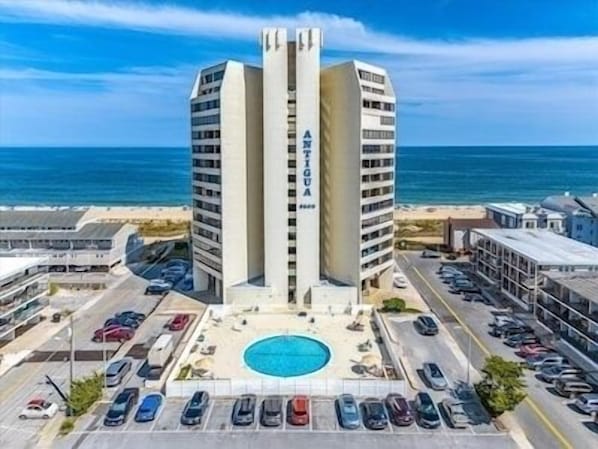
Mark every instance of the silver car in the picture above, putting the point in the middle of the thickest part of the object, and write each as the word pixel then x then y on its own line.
pixel 551 373
pixel 456 413
pixel 435 376
pixel 116 372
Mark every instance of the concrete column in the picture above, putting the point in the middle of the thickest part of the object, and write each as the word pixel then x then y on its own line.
pixel 275 125
pixel 308 43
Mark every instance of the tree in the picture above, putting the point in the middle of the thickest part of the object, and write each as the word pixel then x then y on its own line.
pixel 501 388
pixel 85 392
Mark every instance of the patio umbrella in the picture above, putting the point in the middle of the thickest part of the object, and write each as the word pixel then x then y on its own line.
pixel 369 360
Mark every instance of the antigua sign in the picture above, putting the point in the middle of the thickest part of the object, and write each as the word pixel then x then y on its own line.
pixel 307 170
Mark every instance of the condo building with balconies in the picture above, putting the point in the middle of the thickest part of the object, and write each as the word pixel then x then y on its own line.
pixel 293 177
pixel 23 290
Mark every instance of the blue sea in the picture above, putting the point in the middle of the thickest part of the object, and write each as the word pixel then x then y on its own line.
pixel 162 176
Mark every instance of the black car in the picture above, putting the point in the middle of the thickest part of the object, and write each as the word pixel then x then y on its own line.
pixel 426 411
pixel 515 341
pixel 121 407
pixel 195 408
pixel 122 320
pixel 138 316
pixel 374 414
pixel 426 325
pixel 244 410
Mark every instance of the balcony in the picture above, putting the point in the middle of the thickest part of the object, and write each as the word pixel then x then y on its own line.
pixel 581 345
pixel 20 282
pixel 17 300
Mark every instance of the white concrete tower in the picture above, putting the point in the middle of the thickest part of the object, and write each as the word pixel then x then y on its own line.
pixel 276 161
pixel 307 47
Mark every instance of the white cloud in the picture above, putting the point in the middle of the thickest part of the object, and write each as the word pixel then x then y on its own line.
pixel 341 33
pixel 468 90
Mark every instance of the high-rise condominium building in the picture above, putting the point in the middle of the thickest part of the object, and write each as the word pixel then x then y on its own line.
pixel 293 177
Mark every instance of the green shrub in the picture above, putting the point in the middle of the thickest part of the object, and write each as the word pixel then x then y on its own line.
pixel 396 305
pixel 84 393
pixel 502 386
pixel 184 372
pixel 67 426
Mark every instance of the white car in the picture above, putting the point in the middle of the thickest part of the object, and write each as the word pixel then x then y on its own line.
pixel 399 281
pixel 456 413
pixel 39 409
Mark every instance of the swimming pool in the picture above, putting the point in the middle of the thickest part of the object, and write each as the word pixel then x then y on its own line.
pixel 287 356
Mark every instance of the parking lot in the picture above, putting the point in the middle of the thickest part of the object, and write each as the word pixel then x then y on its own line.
pixel 545 411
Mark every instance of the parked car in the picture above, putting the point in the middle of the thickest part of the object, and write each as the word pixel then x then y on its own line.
pixel 299 410
pixel 399 410
pixel 121 407
pixel 179 322
pixel 533 349
pixel 448 278
pixel 502 319
pixel 38 409
pixel 399 282
pixel 195 408
pixel 113 333
pixel 149 408
pixel 461 286
pixel 572 387
pixel 510 329
pixel 271 411
pixel 587 403
pixel 551 373
pixel 132 314
pixel 456 413
pixel 426 412
pixel 348 411
pixel 435 376
pixel 539 361
pixel 474 297
pixel 426 325
pixel 244 410
pixel 518 340
pixel 374 414
pixel 429 254
pixel 447 268
pixel 122 321
pixel 116 372
pixel 158 287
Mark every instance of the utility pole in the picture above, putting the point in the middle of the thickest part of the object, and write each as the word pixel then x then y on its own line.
pixel 468 357
pixel 72 357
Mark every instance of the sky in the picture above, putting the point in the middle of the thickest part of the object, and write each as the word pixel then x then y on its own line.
pixel 466 72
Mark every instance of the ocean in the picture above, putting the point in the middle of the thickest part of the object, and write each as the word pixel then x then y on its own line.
pixel 162 176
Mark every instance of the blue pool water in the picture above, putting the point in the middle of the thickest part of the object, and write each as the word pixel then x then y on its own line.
pixel 287 356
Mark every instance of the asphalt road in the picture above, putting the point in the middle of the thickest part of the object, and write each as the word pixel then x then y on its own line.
pixel 549 421
pixel 27 380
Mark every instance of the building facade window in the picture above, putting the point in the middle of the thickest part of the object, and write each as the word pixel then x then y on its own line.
pixel 207 134
pixel 202 177
pixel 377 134
pixel 387 120
pixel 205 120
pixel 369 76
pixel 205 105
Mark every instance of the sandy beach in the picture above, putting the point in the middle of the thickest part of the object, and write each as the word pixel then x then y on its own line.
pixel 438 212
pixel 184 213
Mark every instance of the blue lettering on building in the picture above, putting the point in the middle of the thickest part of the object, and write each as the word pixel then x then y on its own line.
pixel 307 175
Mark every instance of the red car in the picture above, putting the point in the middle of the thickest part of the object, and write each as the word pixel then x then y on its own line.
pixel 179 322
pixel 533 349
pixel 114 332
pixel 299 411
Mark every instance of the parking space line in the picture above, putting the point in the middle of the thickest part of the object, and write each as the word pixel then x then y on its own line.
pixel 207 415
pixel 311 417
pixel 545 420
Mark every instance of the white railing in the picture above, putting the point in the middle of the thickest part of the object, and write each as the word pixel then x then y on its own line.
pixel 261 387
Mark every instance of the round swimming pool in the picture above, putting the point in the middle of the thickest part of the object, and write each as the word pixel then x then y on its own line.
pixel 287 356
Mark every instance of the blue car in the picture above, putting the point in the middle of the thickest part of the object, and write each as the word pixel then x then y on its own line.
pixel 149 408
pixel 348 411
pixel 123 320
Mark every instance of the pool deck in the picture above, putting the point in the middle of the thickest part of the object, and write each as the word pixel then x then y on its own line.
pixel 231 338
